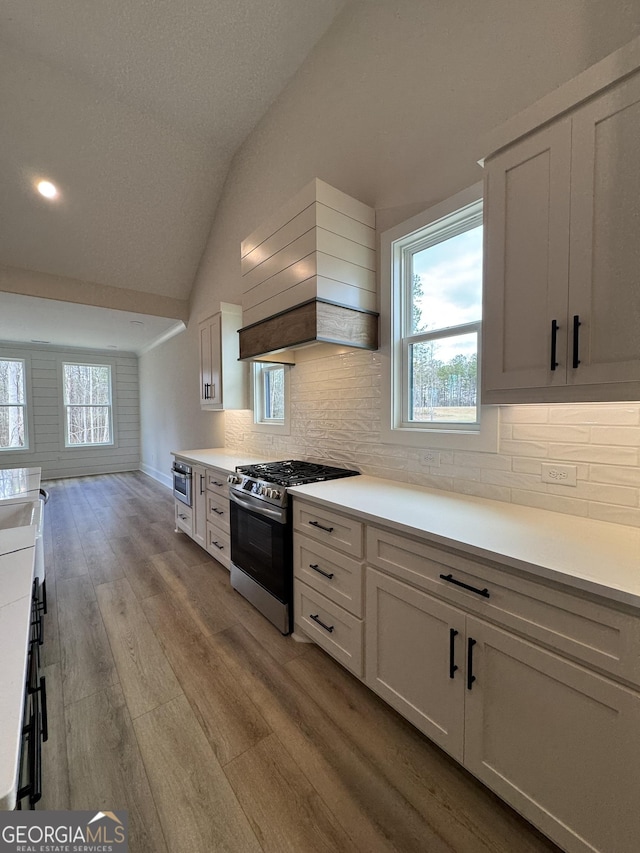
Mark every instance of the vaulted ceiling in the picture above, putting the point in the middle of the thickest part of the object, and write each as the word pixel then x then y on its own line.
pixel 134 109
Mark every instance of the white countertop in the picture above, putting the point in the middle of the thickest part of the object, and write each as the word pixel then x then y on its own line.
pixel 17 566
pixel 594 556
pixel 16 577
pixel 218 457
pixel 19 482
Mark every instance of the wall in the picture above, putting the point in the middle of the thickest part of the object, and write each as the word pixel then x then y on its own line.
pixel 336 416
pixel 44 384
pixel 391 107
pixel 170 405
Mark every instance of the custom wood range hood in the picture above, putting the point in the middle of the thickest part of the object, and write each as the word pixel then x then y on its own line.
pixel 309 276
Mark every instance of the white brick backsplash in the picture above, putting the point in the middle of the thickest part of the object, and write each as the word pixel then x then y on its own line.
pixel 604 413
pixel 615 475
pixel 336 415
pixel 569 506
pixel 551 432
pixel 616 514
pixel 616 435
pixel 593 453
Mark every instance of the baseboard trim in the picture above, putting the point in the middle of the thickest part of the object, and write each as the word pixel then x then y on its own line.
pixel 160 476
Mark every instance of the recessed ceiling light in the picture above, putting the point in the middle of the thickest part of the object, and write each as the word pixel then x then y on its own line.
pixel 136 322
pixel 111 346
pixel 34 341
pixel 47 189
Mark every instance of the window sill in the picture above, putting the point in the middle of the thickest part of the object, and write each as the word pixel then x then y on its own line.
pixel 484 441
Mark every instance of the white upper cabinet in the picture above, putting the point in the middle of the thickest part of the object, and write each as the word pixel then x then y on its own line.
pixel 562 261
pixel 223 379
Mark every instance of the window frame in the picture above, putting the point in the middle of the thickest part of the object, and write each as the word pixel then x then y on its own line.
pixel 261 423
pixel 26 406
pixel 411 236
pixel 65 406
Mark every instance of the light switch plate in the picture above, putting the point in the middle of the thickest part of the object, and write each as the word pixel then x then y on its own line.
pixel 561 475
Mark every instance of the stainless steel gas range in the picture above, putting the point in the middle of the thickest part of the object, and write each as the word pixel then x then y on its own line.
pixel 261 532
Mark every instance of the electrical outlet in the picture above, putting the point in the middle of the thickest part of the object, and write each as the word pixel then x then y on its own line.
pixel 430 457
pixel 561 475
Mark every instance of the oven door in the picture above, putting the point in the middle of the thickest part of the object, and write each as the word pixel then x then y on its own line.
pixel 261 544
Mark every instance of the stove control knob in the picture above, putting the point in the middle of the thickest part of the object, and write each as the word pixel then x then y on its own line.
pixel 262 490
pixel 233 479
pixel 274 494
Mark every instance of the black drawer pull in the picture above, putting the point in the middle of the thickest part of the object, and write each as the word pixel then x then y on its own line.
pixel 201 484
pixel 215 483
pixel 218 545
pixel 43 701
pixel 554 343
pixel 470 676
pixel 217 511
pixel 317 524
pixel 576 340
pixel 450 579
pixel 316 618
pixel 316 568
pixel 452 654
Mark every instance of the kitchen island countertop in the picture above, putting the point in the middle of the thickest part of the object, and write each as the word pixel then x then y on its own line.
pixel 593 556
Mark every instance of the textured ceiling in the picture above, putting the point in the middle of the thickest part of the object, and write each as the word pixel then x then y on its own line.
pixel 134 108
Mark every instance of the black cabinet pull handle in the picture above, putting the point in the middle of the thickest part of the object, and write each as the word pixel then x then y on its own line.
pixel 206 391
pixel 215 483
pixel 43 700
pixel 554 343
pixel 316 568
pixel 217 511
pixel 201 482
pixel 218 545
pixel 470 676
pixel 315 618
pixel 576 340
pixel 452 652
pixel 450 579
pixel 317 524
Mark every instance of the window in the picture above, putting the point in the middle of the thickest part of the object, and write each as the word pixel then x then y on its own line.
pixel 433 267
pixel 270 396
pixel 13 420
pixel 87 404
pixel 441 303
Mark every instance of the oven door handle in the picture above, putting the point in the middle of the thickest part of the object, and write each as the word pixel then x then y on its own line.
pixel 279 515
pixel 182 474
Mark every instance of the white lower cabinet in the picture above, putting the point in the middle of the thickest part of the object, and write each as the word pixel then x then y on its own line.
pixel 414 650
pixel 558 742
pixel 183 517
pixel 199 493
pixel 206 521
pixel 533 688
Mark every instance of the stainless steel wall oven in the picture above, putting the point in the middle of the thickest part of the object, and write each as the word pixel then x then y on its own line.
pixel 261 533
pixel 182 476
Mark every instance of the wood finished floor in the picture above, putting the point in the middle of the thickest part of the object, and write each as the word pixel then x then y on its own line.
pixel 171 697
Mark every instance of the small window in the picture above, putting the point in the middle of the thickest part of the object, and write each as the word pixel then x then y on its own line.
pixel 270 396
pixel 13 405
pixel 87 403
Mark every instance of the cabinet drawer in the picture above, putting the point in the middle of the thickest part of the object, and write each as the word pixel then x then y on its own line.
pixel 218 511
pixel 329 527
pixel 184 517
pixel 340 633
pixel 217 482
pixel 334 575
pixel 218 544
pixel 589 630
